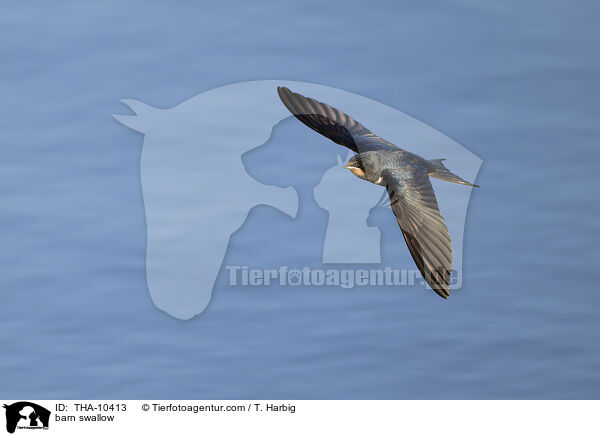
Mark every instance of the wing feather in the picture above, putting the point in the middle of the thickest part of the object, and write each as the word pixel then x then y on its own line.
pixel 332 123
pixel 423 227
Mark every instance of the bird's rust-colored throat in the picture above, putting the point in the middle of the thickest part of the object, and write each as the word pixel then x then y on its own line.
pixel 356 171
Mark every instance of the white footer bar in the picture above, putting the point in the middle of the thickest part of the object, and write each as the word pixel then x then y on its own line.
pixel 282 417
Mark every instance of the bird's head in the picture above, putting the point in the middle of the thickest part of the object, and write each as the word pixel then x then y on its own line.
pixel 366 166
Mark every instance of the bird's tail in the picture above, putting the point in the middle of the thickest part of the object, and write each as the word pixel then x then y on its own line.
pixel 443 173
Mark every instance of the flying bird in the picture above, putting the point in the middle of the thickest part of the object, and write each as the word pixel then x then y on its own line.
pixel 405 176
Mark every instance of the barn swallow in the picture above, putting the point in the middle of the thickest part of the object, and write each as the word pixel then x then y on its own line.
pixel 405 176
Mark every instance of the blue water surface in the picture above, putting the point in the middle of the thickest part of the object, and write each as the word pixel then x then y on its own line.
pixel 515 82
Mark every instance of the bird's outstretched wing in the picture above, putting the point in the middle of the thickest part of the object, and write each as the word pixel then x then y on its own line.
pixel 332 123
pixel 415 206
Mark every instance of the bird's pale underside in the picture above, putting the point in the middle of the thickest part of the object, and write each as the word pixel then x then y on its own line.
pixel 405 176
